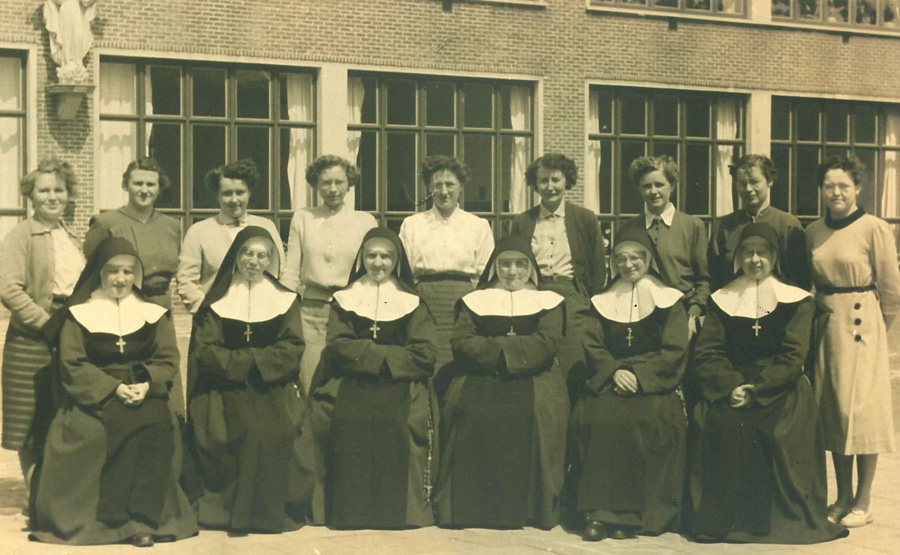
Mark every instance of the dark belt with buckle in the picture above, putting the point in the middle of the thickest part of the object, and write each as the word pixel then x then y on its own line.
pixel 829 290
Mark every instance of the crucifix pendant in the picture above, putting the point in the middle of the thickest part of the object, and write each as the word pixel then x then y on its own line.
pixel 374 329
pixel 756 328
pixel 511 331
pixel 247 333
pixel 121 343
pixel 629 337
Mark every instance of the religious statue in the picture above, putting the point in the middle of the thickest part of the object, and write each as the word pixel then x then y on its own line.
pixel 69 25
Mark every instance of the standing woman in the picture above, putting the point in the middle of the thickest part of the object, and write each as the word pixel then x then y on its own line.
pixel 567 244
pixel 375 411
pixel 854 261
pixel 448 247
pixel 206 242
pixel 41 263
pixel 504 416
pixel 321 246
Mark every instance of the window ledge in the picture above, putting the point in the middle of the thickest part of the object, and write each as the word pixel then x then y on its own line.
pixel 664 14
pixel 537 4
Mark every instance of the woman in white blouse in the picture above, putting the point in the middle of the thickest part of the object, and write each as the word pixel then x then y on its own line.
pixel 448 247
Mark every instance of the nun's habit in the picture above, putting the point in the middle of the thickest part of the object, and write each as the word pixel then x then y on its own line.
pixel 503 422
pixel 627 452
pixel 244 408
pixel 761 476
pixel 374 411
pixel 111 471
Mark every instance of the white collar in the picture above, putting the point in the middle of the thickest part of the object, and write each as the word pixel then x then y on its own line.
pixel 436 214
pixel 103 314
pixel 560 211
pixel 500 302
pixel 386 302
pixel 667 215
pixel 626 303
pixel 747 298
pixel 259 303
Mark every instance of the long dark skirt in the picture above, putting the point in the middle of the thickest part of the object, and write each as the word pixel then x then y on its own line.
pixel 440 297
pixel 27 390
pixel 570 354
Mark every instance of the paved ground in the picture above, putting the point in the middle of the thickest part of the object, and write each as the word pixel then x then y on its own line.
pixel 881 537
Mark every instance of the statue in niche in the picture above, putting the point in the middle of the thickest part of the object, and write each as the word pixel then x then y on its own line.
pixel 69 25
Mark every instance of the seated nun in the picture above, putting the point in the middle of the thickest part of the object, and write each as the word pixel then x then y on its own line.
pixel 113 453
pixel 374 410
pixel 504 416
pixel 245 412
pixel 761 447
pixel 627 431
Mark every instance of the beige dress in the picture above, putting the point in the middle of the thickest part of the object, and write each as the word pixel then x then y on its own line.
pixel 852 375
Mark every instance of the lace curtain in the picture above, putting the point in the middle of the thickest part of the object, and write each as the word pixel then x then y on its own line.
pixel 520 115
pixel 890 187
pixel 118 145
pixel 727 113
pixel 300 100
pixel 356 93
pixel 592 160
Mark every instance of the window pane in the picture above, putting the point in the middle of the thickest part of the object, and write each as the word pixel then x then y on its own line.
pixel 866 12
pixel 208 153
pixel 807 188
pixel 515 104
pixel 781 8
pixel 836 119
pixel 440 102
pixel 370 101
pixel 401 102
pixel 696 186
pixel 297 97
pixel 866 197
pixel 697 4
pixel 164 144
pixel 118 147
pixel 836 11
pixel 401 171
pixel 730 6
pixel 891 12
pixel 117 90
pixel 164 90
pixel 666 149
pixel 779 193
pixel 697 117
pixel 440 144
pixel 253 94
pixel 729 118
pixel 11 83
pixel 515 155
pixel 631 203
pixel 394 224
pixel 209 92
pixel 367 162
pixel 665 115
pixel 253 143
pixel 479 105
pixel 297 150
pixel 634 108
pixel 810 9
pixel 605 180
pixel 781 119
pixel 864 123
pixel 666 3
pixel 807 121
pixel 604 111
pixel 479 156
pixel 11 148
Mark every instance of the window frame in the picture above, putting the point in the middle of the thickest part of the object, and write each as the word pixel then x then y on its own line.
pixel 850 24
pixel 649 6
pixel 21 211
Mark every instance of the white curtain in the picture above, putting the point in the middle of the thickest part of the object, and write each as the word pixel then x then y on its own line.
pixel 520 115
pixel 356 93
pixel 118 144
pixel 11 135
pixel 730 6
pixel 592 160
pixel 890 188
pixel 726 128
pixel 300 100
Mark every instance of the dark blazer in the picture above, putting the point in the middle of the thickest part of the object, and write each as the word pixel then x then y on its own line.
pixel 585 242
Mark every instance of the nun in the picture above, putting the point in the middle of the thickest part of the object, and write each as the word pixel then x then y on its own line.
pixel 505 411
pixel 761 446
pixel 374 410
pixel 113 452
pixel 627 433
pixel 245 411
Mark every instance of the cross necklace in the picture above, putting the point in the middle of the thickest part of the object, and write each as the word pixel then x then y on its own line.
pixel 375 329
pixel 248 332
pixel 511 332
pixel 631 307
pixel 121 342
pixel 756 327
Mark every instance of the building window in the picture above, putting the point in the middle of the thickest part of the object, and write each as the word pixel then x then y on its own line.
pixel 193 118
pixel 703 132
pixel 396 121
pixel 865 14
pixel 12 138
pixel 699 7
pixel 805 131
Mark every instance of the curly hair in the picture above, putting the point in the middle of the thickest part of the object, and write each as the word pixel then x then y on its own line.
pixel 434 164
pixel 851 164
pixel 760 161
pixel 328 161
pixel 553 161
pixel 51 164
pixel 244 169
pixel 150 165
pixel 643 165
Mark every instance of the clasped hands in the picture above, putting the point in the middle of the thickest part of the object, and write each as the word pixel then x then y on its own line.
pixel 132 395
pixel 741 397
pixel 626 383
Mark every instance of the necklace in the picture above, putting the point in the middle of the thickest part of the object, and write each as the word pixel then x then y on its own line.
pixel 248 332
pixel 631 307
pixel 121 342
pixel 756 326
pixel 375 329
pixel 511 332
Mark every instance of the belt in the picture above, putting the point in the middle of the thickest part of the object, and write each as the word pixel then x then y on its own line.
pixel 830 290
pixel 556 278
pixel 444 276
pixel 59 299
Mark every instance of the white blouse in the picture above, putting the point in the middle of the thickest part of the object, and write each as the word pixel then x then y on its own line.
pixel 459 244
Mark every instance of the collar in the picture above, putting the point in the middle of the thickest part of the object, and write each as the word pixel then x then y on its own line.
pixel 384 302
pixel 257 303
pixel 845 221
pixel 103 314
pixel 668 214
pixel 627 303
pixel 37 228
pixel 747 298
pixel 325 211
pixel 560 211
pixel 127 211
pixel 436 214
pixel 228 220
pixel 500 302
pixel 759 212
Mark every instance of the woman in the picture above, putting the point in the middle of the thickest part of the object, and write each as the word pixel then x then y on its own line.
pixel 41 263
pixel 567 245
pixel 321 246
pixel 503 425
pixel 155 236
pixel 113 452
pixel 854 262
pixel 762 455
pixel 374 413
pixel 207 241
pixel 627 432
pixel 447 247
pixel 244 406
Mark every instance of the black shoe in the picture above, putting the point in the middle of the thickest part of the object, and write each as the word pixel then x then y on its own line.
pixel 142 540
pixel 594 532
pixel 164 539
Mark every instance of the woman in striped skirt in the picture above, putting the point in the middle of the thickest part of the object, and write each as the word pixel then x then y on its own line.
pixel 41 263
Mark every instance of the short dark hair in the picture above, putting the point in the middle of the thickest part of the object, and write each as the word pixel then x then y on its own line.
pixel 760 161
pixel 328 161
pixel 150 165
pixel 434 164
pixel 553 161
pixel 851 164
pixel 643 165
pixel 244 169
pixel 51 164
